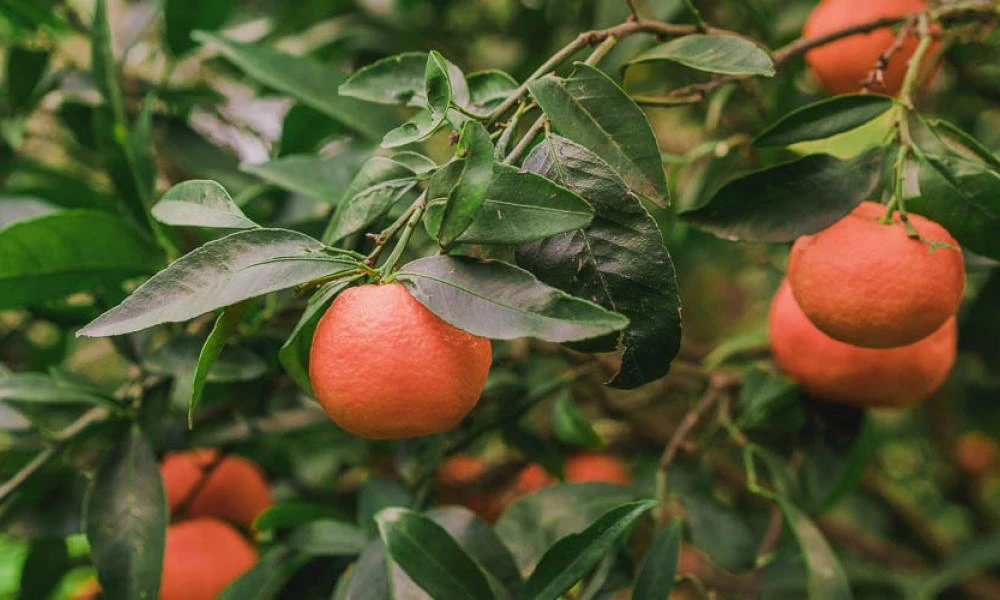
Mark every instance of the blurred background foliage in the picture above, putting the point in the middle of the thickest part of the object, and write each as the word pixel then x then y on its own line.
pixel 214 119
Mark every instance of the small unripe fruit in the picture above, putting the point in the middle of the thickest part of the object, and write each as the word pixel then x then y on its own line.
pixel 868 377
pixel 234 489
pixel 843 65
pixel 383 366
pixel 869 284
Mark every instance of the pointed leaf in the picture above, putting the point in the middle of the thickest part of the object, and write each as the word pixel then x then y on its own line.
pixel 474 178
pixel 826 577
pixel 500 301
pixel 430 556
pixel 824 119
pixel 784 202
pixel 241 265
pixel 328 537
pixel 200 203
pixel 304 79
pixel 376 494
pixel 377 187
pixel 126 519
pixel 267 577
pixel 224 328
pixel 46 563
pixel 590 109
pixel 487 89
pixel 69 251
pixel 23 72
pixel 658 569
pixel 37 388
pixel 103 64
pixel 618 261
pixel 967 205
pixel 397 79
pixel 181 17
pixel 291 513
pixel 437 87
pixel 573 556
pixel 322 178
pixel 950 130
pixel 294 353
pixel 726 54
pixel 571 427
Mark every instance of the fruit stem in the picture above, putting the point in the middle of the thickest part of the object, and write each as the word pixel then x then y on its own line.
pixel 382 239
pixel 913 67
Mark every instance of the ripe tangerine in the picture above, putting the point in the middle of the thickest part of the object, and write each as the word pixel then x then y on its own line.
pixel 383 366
pixel 838 372
pixel 870 284
pixel 201 557
pixel 235 489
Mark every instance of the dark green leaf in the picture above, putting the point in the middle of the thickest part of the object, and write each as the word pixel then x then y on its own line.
pixel 262 582
pixel 532 524
pixel 590 109
pixel 105 67
pixel 37 388
pixel 291 514
pixel 377 187
pixel 520 207
pixel 224 328
pixel 200 203
pixel 179 355
pixel 378 493
pixel 44 567
pixel 572 557
pixel 967 205
pixel 370 576
pixel 395 79
pixel 971 559
pixel 784 202
pixel 126 519
pixel 824 119
pixel 474 178
pixel 726 54
pixel 141 156
pixel 482 544
pixel 658 570
pixel 294 353
pixel 952 131
pixel 181 17
pixel 826 577
pixel 430 556
pixel 328 538
pixel 769 401
pixel 837 452
pixel 438 90
pixel 322 178
pixel 24 70
pixel 619 261
pixel 239 266
pixel 571 427
pixel 487 89
pixel 305 129
pixel 500 301
pixel 304 79
pixel 70 251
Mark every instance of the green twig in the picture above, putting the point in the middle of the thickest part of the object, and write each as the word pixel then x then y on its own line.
pixel 696 14
pixel 414 213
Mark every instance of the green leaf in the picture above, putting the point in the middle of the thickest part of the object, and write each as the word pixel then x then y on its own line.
pixel 294 353
pixel 430 556
pixel 181 17
pixel 769 401
pixel 69 251
pixel 655 580
pixel 141 154
pixel 306 80
pixel 291 513
pixel 477 538
pixel 467 195
pixel 370 576
pixel 572 557
pixel 533 523
pixel 784 202
pixel 824 119
pixel 826 577
pixel 520 207
pixel 224 328
pixel 376 494
pixel 200 203
pixel 328 537
pixel 266 578
pixel 836 454
pixel 952 131
pixel 239 266
pixel 322 178
pixel 126 519
pixel 487 89
pixel 305 129
pixel 377 187
pixel 967 205
pixel 23 72
pixel 590 109
pixel 726 54
pixel 571 427
pixel 972 558
pixel 44 567
pixel 392 80
pixel 618 260
pixel 437 87
pixel 37 388
pixel 500 301
pixel 104 67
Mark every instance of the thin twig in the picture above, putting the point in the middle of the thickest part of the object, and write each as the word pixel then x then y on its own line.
pixel 634 13
pixel 876 77
pixel 524 142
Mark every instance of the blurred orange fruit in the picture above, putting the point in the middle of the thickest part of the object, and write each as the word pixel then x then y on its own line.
pixel 201 557
pixel 235 489
pixel 870 284
pixel 591 466
pixel 458 478
pixel 383 366
pixel 839 372
pixel 976 452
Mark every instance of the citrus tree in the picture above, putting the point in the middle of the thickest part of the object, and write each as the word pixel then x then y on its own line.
pixel 551 299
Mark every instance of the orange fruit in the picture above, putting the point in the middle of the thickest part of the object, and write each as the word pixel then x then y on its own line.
pixel 590 466
pixel 532 478
pixel 201 557
pixel 839 372
pixel 383 366
pixel 872 285
pixel 235 490
pixel 976 452
pixel 88 590
pixel 842 66
pixel 457 477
